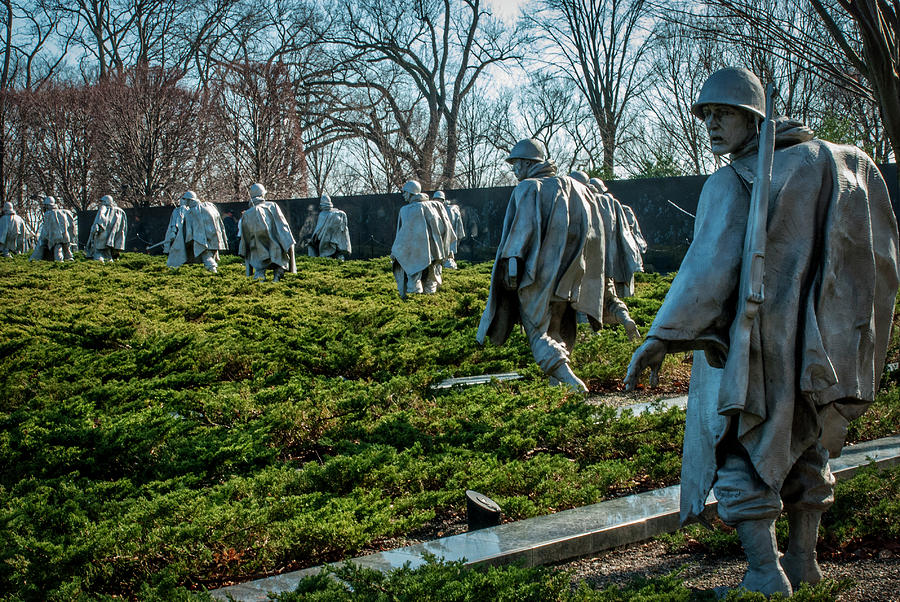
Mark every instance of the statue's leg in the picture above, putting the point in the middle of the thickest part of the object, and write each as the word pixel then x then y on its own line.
pixel 616 312
pixel 414 284
pixel 59 252
pixel 432 278
pixel 277 273
pixel 563 324
pixel 550 354
pixel 808 492
pixel 751 506
pixel 209 261
pixel 764 573
pixel 400 278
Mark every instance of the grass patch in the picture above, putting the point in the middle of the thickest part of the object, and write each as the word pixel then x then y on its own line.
pixel 452 582
pixel 164 432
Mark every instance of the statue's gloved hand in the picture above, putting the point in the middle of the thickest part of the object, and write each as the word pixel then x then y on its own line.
pixel 649 355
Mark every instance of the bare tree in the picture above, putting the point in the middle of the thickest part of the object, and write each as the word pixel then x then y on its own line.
pixel 485 132
pixel 148 133
pixel 263 130
pixel 7 21
pixel 417 62
pixel 602 44
pixel 851 45
pixel 680 64
pixel 64 120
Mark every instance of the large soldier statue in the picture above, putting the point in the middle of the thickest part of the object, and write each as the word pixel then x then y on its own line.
pixel 816 348
pixel 549 263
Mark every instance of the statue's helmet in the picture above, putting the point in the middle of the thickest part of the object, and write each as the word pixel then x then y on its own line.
pixel 106 199
pixel 257 190
pixel 49 201
pixel 734 87
pixel 412 187
pixel 325 201
pixel 598 184
pixel 580 176
pixel 190 195
pixel 528 148
pixel 8 207
pixel 439 195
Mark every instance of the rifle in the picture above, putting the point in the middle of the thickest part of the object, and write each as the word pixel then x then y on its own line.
pixel 159 244
pixel 735 381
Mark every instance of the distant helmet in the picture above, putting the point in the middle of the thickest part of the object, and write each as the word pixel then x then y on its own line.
pixel 257 190
pixel 49 200
pixel 527 148
pixel 439 194
pixel 579 176
pixel 734 87
pixel 325 201
pixel 598 184
pixel 412 187
pixel 8 207
pixel 106 199
pixel 190 195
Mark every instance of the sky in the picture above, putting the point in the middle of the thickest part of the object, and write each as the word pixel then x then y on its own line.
pixel 507 10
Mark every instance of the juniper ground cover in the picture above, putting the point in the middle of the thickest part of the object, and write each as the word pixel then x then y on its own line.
pixel 162 432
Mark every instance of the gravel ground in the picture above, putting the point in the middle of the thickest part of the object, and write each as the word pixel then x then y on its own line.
pixel 874 579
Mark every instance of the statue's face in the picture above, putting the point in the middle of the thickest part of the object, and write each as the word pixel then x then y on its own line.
pixel 729 128
pixel 520 168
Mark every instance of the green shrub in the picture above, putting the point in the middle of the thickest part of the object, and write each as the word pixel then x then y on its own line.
pixel 165 431
pixel 453 582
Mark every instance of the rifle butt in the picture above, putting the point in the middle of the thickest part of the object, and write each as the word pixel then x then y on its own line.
pixel 736 377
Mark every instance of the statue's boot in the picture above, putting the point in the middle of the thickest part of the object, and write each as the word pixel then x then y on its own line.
pixel 799 562
pixel 563 375
pixel 764 572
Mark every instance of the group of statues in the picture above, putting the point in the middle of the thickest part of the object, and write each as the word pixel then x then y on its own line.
pixel 786 298
pixel 428 231
pixel 568 247
pixel 196 233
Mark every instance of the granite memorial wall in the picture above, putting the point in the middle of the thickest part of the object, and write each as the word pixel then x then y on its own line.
pixel 661 205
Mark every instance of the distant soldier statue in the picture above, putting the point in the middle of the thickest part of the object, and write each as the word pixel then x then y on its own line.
pixel 549 264
pixel 331 237
pixel 195 234
pixel 108 232
pixel 789 312
pixel 57 237
pixel 12 232
pixel 456 222
pixel 266 239
pixel 422 242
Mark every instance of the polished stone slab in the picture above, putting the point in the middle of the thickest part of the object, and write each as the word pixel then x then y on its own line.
pixel 560 536
pixel 481 379
pixel 654 406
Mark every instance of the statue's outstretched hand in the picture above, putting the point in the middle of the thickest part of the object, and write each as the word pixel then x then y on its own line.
pixel 649 355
